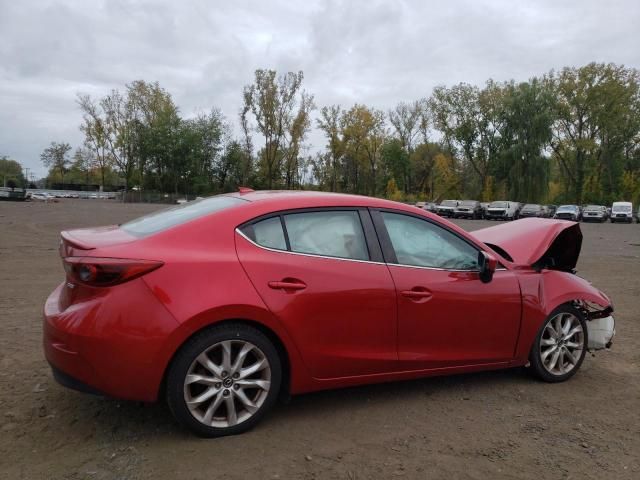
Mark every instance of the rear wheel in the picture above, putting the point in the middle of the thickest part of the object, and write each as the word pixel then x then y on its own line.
pixel 560 346
pixel 224 380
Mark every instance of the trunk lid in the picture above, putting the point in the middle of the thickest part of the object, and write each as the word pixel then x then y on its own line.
pixel 536 242
pixel 86 239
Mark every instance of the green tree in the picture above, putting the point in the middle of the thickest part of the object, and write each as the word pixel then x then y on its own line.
pixel 10 171
pixel 596 126
pixel 329 123
pixel 528 118
pixel 273 101
pixel 363 131
pixel 56 157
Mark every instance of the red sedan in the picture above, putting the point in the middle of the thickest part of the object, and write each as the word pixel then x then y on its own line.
pixel 221 304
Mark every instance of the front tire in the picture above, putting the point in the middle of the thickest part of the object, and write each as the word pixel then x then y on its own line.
pixel 560 346
pixel 224 380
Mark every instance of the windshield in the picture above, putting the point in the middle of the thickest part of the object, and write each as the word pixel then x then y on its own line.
pixel 449 203
pixel 531 206
pixel 622 208
pixel 567 208
pixel 498 204
pixel 593 207
pixel 167 218
pixel 468 203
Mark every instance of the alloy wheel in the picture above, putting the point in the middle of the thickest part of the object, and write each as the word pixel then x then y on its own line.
pixel 227 383
pixel 562 344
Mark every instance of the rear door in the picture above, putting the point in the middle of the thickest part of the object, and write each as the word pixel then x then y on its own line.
pixel 321 272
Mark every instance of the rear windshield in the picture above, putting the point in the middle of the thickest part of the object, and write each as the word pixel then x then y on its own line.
pixel 593 207
pixel 164 219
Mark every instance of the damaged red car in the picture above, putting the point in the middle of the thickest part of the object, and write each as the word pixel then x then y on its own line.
pixel 221 305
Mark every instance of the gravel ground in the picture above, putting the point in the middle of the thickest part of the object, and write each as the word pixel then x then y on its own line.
pixel 488 425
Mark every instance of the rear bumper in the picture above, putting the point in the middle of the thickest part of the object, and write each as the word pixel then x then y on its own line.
pixel 496 215
pixel 72 383
pixel 445 213
pixel 111 344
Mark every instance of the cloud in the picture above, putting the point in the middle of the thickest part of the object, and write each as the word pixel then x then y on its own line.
pixel 373 52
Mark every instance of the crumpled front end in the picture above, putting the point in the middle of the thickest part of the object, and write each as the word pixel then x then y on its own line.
pixel 601 326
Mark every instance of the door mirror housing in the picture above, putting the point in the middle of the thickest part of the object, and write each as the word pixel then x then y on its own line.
pixel 487 264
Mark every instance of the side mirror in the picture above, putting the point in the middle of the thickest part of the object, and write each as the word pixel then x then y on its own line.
pixel 487 264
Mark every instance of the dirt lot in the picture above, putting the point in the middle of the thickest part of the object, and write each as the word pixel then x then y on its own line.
pixel 489 425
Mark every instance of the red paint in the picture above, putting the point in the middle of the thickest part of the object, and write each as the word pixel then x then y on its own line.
pixel 340 322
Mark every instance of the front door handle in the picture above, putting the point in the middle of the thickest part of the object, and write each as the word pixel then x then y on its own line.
pixel 287 284
pixel 417 294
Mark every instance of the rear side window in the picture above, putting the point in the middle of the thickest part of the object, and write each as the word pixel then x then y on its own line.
pixel 167 218
pixel 327 233
pixel 267 233
pixel 333 234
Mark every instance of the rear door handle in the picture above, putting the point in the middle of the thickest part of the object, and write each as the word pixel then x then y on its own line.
pixel 287 284
pixel 417 294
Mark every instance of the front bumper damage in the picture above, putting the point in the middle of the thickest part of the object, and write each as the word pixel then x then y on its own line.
pixel 601 326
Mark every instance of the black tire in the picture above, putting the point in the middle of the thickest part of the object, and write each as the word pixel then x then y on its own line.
pixel 201 342
pixel 612 220
pixel 535 356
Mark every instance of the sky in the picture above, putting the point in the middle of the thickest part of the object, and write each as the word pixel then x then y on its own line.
pixel 203 52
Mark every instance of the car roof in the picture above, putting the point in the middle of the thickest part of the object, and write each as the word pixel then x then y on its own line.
pixel 285 199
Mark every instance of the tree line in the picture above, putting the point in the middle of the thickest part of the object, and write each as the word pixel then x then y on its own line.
pixel 566 136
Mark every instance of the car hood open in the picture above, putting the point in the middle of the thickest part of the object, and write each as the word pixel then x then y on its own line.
pixel 536 242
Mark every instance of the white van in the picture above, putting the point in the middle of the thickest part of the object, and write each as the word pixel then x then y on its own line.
pixel 622 212
pixel 502 210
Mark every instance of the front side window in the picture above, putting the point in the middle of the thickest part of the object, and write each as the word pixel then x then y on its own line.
pixel 330 233
pixel 421 243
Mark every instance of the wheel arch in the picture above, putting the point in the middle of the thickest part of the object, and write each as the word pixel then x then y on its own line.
pixel 273 337
pixel 545 292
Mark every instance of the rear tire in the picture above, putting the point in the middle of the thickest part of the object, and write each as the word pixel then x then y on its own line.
pixel 224 380
pixel 560 346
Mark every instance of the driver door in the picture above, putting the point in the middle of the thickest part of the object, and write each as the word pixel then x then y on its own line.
pixel 447 317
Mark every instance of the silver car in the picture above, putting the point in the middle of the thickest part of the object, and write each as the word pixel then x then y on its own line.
pixel 595 213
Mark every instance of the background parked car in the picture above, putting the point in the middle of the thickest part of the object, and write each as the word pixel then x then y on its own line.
pixel 551 210
pixel 502 210
pixel 484 206
pixel 595 213
pixel 447 208
pixel 519 207
pixel 468 209
pixel 622 212
pixel 568 212
pixel 430 207
pixel 533 210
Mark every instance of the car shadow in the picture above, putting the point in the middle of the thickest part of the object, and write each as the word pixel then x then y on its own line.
pixel 137 420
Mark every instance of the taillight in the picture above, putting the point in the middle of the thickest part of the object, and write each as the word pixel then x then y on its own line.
pixel 106 272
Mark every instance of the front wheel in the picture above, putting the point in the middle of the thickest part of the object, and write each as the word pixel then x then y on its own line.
pixel 560 346
pixel 224 380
